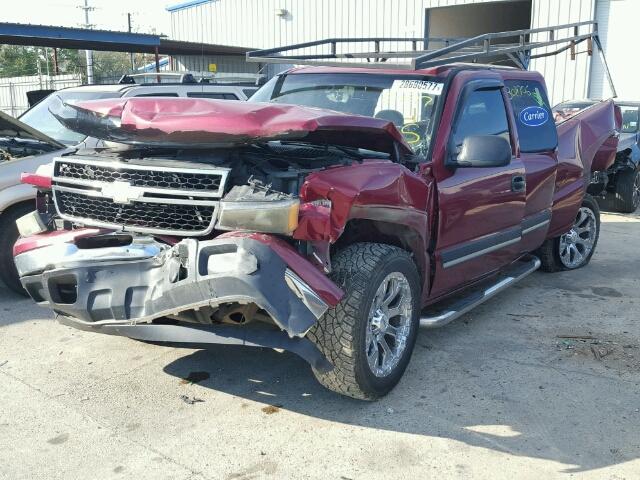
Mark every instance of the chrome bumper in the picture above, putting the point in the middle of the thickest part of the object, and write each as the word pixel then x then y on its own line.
pixel 146 280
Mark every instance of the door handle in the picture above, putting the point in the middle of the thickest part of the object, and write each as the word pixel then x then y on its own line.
pixel 518 183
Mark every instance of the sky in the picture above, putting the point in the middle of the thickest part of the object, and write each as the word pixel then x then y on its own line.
pixel 148 16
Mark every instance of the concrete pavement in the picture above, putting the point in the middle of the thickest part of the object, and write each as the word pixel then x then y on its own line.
pixel 504 392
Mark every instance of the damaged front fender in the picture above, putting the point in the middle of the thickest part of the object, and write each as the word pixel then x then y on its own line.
pixel 380 191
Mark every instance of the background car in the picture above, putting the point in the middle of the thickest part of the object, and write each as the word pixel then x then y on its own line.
pixel 623 177
pixel 37 137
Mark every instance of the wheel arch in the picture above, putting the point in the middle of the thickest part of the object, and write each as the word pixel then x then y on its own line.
pixel 371 228
pixel 19 204
pixel 16 196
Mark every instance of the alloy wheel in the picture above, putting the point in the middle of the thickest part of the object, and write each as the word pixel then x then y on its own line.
pixel 389 324
pixel 576 245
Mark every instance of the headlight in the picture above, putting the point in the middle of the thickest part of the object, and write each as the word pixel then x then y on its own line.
pixel 270 216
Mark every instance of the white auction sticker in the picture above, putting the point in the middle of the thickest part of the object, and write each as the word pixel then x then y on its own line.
pixel 425 86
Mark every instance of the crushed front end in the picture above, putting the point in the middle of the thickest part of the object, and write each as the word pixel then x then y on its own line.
pixel 236 289
pixel 195 230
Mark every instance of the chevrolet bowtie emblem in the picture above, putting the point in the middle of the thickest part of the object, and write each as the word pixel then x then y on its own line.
pixel 122 192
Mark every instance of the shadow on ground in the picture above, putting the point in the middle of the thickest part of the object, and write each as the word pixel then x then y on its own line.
pixel 544 413
pixel 16 308
pixel 491 379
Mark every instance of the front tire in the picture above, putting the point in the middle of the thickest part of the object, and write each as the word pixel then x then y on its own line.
pixel 626 198
pixel 370 334
pixel 575 248
pixel 8 237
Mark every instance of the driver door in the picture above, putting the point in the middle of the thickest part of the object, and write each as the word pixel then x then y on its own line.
pixel 480 208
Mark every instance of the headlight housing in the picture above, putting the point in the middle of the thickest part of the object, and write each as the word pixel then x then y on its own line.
pixel 247 209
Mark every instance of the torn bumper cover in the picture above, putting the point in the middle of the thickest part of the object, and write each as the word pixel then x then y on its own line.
pixel 119 284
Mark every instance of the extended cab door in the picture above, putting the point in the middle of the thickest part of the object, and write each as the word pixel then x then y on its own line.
pixel 480 209
pixel 537 142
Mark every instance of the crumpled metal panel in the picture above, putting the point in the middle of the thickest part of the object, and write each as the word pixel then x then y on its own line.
pixel 201 122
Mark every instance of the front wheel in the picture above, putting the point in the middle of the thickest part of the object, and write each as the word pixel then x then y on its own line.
pixel 370 334
pixel 575 248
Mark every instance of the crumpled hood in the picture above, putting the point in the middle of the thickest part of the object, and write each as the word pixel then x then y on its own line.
pixel 11 127
pixel 188 122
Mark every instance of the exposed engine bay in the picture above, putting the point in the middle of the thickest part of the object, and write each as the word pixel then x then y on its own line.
pixel 191 192
pixel 12 148
pixel 280 165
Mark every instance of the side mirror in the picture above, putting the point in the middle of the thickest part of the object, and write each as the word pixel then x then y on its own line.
pixel 484 151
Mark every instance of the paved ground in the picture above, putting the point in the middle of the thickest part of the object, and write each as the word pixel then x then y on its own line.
pixel 497 394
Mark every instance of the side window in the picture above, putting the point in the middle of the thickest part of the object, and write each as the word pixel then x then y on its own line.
pixel 483 113
pixel 214 96
pixel 534 121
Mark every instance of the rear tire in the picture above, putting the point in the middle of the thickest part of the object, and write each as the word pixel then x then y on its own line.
pixel 575 248
pixel 370 334
pixel 626 197
pixel 8 237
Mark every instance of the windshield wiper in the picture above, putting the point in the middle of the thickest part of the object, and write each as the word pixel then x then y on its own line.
pixel 353 152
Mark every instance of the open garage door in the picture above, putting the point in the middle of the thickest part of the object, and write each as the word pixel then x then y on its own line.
pixel 461 21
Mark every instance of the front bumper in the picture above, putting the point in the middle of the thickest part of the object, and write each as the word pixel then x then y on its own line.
pixel 142 280
pixel 203 336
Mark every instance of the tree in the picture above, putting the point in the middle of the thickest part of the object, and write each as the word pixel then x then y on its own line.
pixel 69 61
pixel 16 61
pixel 110 66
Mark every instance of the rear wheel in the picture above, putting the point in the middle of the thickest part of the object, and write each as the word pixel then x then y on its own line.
pixel 370 334
pixel 575 248
pixel 626 198
pixel 8 237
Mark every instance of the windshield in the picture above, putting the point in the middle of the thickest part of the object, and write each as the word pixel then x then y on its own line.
pixel 40 118
pixel 409 101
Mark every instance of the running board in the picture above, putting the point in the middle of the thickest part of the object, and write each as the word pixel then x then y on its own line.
pixel 460 306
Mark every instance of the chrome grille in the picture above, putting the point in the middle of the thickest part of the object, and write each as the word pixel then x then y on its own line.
pixel 144 198
pixel 139 178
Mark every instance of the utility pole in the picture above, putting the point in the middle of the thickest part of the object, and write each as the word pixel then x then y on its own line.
pixel 46 58
pixel 133 65
pixel 88 53
pixel 39 68
pixel 56 67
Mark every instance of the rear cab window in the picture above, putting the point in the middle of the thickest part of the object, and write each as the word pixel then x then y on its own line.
pixel 534 120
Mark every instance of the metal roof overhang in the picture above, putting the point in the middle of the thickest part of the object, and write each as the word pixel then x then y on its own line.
pixel 105 40
pixel 177 47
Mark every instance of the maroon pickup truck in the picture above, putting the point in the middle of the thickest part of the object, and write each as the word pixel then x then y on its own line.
pixel 331 216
